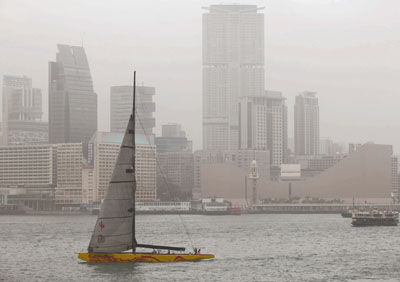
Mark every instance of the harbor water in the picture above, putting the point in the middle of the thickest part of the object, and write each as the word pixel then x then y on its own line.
pixel 247 248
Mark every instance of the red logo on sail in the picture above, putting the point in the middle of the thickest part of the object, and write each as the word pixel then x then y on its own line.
pixel 101 239
pixel 101 225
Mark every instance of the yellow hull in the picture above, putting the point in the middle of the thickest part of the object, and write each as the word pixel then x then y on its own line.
pixel 141 257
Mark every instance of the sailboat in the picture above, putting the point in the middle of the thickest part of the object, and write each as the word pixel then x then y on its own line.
pixel 113 238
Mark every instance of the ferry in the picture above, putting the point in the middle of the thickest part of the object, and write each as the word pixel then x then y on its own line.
pixel 348 213
pixel 375 218
pixel 163 208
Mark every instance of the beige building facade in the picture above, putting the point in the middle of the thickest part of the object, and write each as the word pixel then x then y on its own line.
pixel 366 175
pixel 69 174
pixel 106 149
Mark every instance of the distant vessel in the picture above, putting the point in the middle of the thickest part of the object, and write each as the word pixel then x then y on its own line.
pixel 375 218
pixel 218 206
pixel 222 211
pixel 113 238
pixel 348 213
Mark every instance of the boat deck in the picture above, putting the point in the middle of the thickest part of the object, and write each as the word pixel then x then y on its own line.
pixel 141 257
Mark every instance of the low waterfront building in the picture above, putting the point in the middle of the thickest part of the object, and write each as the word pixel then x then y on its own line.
pixel 235 162
pixel 366 174
pixel 28 175
pixel 107 145
pixel 318 163
pixel 176 168
pixel 244 158
pixel 318 208
pixel 69 175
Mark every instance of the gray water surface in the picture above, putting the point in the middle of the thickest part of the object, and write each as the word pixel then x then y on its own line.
pixel 247 248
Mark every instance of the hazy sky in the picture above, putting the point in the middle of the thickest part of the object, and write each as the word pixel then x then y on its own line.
pixel 346 50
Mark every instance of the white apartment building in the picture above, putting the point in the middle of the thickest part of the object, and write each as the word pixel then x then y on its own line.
pixel 306 124
pixel 121 108
pixel 69 174
pixel 233 66
pixel 27 166
pixel 263 125
pixel 77 173
pixel 106 149
pixel 177 167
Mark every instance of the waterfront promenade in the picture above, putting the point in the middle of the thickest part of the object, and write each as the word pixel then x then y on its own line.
pixel 318 208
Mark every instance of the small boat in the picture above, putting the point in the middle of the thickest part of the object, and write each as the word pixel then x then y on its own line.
pixel 113 238
pixel 375 218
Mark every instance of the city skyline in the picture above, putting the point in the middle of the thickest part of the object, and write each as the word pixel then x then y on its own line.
pixel 258 135
pixel 341 81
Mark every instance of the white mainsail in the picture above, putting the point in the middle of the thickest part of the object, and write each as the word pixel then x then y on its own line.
pixel 113 231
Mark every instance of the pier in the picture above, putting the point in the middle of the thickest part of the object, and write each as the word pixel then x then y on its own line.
pixel 318 208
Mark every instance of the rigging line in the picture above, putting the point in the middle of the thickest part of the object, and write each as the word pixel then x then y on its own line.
pixel 165 181
pixel 164 178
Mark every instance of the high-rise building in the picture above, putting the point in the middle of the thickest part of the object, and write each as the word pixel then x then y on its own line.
pixel 306 124
pixel 233 66
pixel 172 130
pixel 277 128
pixel 253 122
pixel 72 100
pixel 173 139
pixel 121 108
pixel 263 125
pixel 22 112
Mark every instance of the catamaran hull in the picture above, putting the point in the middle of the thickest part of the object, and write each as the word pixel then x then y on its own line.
pixel 141 257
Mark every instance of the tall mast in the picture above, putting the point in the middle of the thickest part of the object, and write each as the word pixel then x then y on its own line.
pixel 134 243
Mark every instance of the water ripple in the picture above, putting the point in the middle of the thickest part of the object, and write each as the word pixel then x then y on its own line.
pixel 247 248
